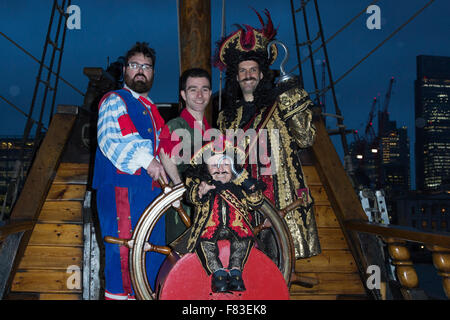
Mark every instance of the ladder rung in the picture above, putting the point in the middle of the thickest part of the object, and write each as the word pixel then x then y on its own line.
pixel 60 10
pixel 54 45
pixel 304 3
pixel 46 83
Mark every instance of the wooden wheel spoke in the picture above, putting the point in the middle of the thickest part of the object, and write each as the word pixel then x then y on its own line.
pixel 265 225
pixel 182 213
pixel 294 205
pixel 122 242
pixel 155 248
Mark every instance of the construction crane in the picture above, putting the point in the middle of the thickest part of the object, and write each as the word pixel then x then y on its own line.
pixel 383 115
pixel 383 118
pixel 369 132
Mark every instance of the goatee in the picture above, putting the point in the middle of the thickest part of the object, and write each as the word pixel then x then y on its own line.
pixel 139 86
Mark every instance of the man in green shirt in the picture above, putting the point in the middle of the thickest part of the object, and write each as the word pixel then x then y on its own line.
pixel 182 132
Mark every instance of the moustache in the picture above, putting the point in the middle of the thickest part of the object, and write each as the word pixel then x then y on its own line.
pixel 220 172
pixel 248 79
pixel 140 74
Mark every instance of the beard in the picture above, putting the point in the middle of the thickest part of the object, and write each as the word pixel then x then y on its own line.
pixel 139 86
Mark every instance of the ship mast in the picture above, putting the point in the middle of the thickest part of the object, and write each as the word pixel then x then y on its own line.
pixel 194 21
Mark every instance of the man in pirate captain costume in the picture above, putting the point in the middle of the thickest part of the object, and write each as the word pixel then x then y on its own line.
pixel 126 168
pixel 251 101
pixel 222 197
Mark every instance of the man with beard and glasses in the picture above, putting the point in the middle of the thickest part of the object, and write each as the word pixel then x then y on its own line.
pixel 127 169
pixel 253 103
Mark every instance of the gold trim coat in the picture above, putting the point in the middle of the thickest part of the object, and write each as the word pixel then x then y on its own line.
pixel 292 118
pixel 205 217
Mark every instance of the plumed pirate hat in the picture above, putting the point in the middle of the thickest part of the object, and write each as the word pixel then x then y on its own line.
pixel 247 44
pixel 218 146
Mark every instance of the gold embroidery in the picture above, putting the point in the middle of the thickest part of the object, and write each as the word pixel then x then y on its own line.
pixel 210 223
pixel 255 199
pixel 288 177
pixel 240 207
pixel 293 101
pixel 238 181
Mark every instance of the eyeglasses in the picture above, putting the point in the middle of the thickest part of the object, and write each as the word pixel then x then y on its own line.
pixel 134 66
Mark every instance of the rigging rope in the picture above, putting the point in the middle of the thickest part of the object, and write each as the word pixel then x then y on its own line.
pixel 221 73
pixel 335 34
pixel 384 41
pixel 178 33
pixel 373 50
pixel 35 59
pixel 18 109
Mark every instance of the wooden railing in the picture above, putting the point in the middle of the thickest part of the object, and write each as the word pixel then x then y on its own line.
pixel 25 212
pixel 14 227
pixel 396 238
pixel 353 219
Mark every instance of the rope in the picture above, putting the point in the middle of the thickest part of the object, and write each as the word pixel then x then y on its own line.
pixel 373 50
pixel 221 73
pixel 178 32
pixel 35 59
pixel 384 41
pixel 18 109
pixel 335 34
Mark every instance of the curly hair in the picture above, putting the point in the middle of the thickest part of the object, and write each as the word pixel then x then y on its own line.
pixel 264 94
pixel 141 47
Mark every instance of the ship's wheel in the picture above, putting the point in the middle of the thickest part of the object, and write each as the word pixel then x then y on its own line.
pixel 278 268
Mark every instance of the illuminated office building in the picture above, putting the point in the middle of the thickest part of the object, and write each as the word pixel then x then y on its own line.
pixel 395 159
pixel 10 153
pixel 432 116
pixel 385 162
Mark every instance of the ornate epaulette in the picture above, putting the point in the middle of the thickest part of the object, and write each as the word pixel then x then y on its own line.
pixel 293 101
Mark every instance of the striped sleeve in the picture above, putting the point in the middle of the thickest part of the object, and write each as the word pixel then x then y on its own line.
pixel 119 140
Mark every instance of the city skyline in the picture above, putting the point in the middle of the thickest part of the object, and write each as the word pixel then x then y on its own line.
pixel 104 36
pixel 432 112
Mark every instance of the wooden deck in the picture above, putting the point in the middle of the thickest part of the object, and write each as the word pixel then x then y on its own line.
pixel 335 267
pixel 54 255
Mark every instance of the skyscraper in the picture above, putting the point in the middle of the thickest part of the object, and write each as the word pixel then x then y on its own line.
pixel 395 160
pixel 10 154
pixel 432 115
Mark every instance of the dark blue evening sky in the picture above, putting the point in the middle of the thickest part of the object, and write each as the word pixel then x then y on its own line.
pixel 109 28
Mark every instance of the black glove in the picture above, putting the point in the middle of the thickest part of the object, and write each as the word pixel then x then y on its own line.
pixel 251 185
pixel 288 85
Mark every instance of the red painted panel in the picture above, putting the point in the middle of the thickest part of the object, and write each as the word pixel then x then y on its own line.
pixel 188 281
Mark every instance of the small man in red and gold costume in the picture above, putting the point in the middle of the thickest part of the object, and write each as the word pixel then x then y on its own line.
pixel 223 198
